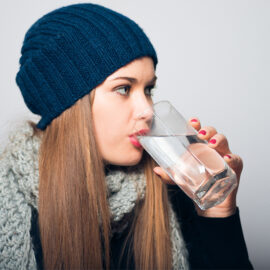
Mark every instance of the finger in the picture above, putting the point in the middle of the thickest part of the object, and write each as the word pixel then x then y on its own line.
pixel 220 143
pixel 207 132
pixel 164 176
pixel 235 162
pixel 195 123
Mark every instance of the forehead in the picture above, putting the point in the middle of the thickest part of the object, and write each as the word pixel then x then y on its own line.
pixel 139 68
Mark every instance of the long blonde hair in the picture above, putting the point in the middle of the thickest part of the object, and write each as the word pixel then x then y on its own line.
pixel 74 216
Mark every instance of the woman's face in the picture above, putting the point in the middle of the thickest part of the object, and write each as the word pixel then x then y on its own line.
pixel 116 106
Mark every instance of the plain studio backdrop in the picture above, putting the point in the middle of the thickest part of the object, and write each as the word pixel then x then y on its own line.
pixel 214 64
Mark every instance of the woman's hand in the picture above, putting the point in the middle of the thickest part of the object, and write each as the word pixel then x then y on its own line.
pixel 218 142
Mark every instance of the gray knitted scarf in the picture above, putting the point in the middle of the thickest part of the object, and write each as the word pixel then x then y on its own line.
pixel 19 194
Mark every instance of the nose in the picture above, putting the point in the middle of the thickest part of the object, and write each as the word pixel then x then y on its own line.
pixel 143 110
pixel 146 114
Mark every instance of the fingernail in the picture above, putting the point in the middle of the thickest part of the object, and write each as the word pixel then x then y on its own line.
pixel 228 156
pixel 194 120
pixel 203 132
pixel 213 141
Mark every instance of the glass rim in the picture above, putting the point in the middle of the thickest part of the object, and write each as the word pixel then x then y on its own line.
pixel 155 115
pixel 152 106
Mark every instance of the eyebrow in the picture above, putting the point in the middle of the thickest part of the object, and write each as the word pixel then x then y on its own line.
pixel 133 80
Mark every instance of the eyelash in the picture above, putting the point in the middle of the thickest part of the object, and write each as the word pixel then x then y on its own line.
pixel 151 87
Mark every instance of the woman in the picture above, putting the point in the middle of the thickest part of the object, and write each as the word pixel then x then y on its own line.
pixel 75 192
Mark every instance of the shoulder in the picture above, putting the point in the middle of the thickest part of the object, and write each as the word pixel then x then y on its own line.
pixel 18 193
pixel 19 164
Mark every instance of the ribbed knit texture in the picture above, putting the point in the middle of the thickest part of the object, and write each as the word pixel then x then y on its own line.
pixel 19 180
pixel 70 51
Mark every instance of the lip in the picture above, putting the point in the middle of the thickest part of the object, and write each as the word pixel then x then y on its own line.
pixel 141 132
pixel 133 138
pixel 135 141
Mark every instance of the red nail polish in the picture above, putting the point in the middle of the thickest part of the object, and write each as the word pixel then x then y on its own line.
pixel 213 141
pixel 194 120
pixel 228 156
pixel 203 132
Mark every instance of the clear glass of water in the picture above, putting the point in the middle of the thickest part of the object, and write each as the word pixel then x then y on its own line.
pixel 195 167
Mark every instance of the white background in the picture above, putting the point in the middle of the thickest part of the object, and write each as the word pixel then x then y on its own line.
pixel 214 63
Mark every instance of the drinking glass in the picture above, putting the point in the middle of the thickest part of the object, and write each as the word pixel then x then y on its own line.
pixel 195 167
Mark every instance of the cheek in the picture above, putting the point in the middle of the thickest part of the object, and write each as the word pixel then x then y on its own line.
pixel 113 141
pixel 106 127
pixel 112 128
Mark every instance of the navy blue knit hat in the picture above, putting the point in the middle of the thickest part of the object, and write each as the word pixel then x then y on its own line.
pixel 71 50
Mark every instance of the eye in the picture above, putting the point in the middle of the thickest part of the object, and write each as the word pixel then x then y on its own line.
pixel 150 90
pixel 123 90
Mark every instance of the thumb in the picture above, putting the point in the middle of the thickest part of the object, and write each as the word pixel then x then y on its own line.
pixel 163 175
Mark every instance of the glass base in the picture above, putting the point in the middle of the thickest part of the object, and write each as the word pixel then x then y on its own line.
pixel 216 189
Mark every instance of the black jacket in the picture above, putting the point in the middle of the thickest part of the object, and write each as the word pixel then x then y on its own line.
pixel 212 243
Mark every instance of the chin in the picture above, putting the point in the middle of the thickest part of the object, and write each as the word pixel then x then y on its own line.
pixel 131 163
pixel 128 161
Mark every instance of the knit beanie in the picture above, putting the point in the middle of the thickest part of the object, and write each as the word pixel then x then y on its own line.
pixel 71 50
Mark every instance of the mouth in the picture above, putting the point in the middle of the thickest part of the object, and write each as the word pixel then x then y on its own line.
pixel 133 138
pixel 135 141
